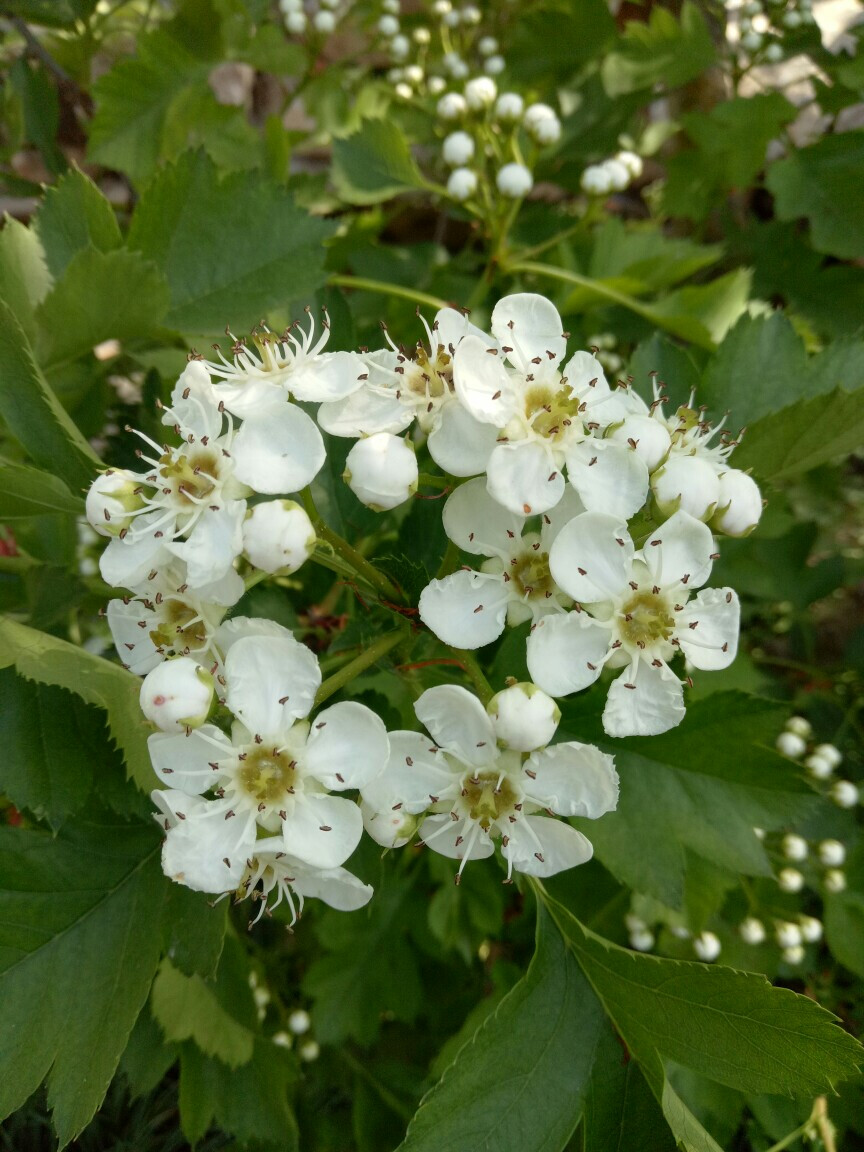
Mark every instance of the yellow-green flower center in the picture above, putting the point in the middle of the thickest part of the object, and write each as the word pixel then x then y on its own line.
pixel 180 628
pixel 531 575
pixel 486 801
pixel 646 619
pixel 267 774
pixel 550 411
pixel 190 477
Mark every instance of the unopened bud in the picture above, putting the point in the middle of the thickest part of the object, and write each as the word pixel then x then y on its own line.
pixel 834 880
pixel 457 149
pixel 524 717
pixel 787 934
pixel 811 929
pixel 686 483
pixel 514 181
pixel 791 745
pixel 642 940
pixel 832 853
pixel 818 766
pixel 462 184
pixel 739 504
pixel 595 181
pixel 648 438
pixel 480 93
pixel 790 880
pixel 632 162
pixel 177 694
pixel 830 753
pixel 381 471
pixel 793 954
pixel 752 931
pixel 325 22
pixel 618 174
pixel 794 846
pixel 451 106
pixel 800 727
pixel 309 1050
pixel 299 1021
pixel 278 536
pixel 509 107
pixel 112 499
pixel 707 946
pixel 844 793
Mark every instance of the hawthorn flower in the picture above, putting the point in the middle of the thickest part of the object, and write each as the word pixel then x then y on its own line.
pixel 275 772
pixel 473 791
pixel 469 609
pixel 634 610
pixel 545 417
pixel 278 536
pixel 381 471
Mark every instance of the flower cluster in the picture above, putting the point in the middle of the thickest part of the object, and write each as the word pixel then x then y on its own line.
pixel 324 18
pixel 760 26
pixel 613 175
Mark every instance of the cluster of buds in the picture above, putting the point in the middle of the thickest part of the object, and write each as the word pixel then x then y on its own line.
pixel 759 25
pixel 448 45
pixel 820 760
pixel 324 19
pixel 612 175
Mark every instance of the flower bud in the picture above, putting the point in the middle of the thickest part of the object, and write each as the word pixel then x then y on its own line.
pixel 281 1039
pixel 422 36
pixel 436 85
pixel 794 847
pixel 794 954
pixel 791 745
pixel 634 923
pixel 834 880
pixel 494 65
pixel 832 853
pixel 707 946
pixel 480 93
pixel 309 1050
pixel 774 53
pixel 391 828
pixel 295 22
pixel 177 694
pixel 844 793
pixel 462 184
pixel 534 113
pixel 790 880
pixel 451 106
pixel 381 471
pixel 111 499
pixel 595 181
pixel 400 46
pixel 546 130
pixel 632 162
pixel 299 1022
pixel 487 46
pixel 688 483
pixel 403 91
pixel 800 727
pixel 414 74
pixel 524 717
pixel 818 766
pixel 325 22
pixel 509 106
pixel 830 753
pixel 648 438
pixel 811 929
pixel 751 42
pixel 286 6
pixel 388 26
pixel 514 181
pixel 752 931
pixel 471 14
pixel 739 504
pixel 278 535
pixel 618 174
pixel 788 935
pixel 642 940
pixel 458 148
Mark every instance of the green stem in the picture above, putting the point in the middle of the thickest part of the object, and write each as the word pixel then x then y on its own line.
pixel 792 1137
pixel 469 662
pixel 349 554
pixel 558 238
pixel 384 289
pixel 450 561
pixel 427 480
pixel 359 664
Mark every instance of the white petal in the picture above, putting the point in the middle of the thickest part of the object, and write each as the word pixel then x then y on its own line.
pixel 483 384
pixel 278 451
pixel 655 705
pixel 531 326
pixel 416 773
pixel 478 524
pixel 213 544
pixel 451 327
pixel 616 483
pixel 226 591
pixel 194 404
pixel 566 653
pixel 707 629
pixel 230 631
pixel 322 830
pixel 249 397
pixel 330 376
pixel 272 681
pixel 197 848
pixel 603 406
pixel 465 609
pixel 337 887
pixel 542 846
pixel 128 563
pixel 185 762
pixel 591 558
pixel 573 780
pixel 524 477
pixel 458 723
pixel 134 646
pixel 347 746
pixel 441 834
pixel 364 413
pixel 567 508
pixel 461 444
pixel 175 806
pixel 685 549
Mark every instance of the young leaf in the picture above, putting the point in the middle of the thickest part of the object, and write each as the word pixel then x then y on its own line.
pixel 24 275
pixel 519 1084
pixel 374 164
pixel 28 492
pixel 73 216
pixel 187 1008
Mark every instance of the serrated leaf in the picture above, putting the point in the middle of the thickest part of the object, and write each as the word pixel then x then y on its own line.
pixel 659 51
pixel 73 216
pixel 374 164
pixel 34 415
pixel 49 660
pixel 230 248
pixel 194 931
pixel 709 309
pixel 78 951
pixel 688 1131
pixel 28 492
pixel 518 1085
pixel 732 1027
pixel 643 253
pixel 24 275
pixel 187 1009
pixel 844 916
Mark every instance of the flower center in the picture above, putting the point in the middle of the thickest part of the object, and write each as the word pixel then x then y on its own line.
pixel 267 775
pixel 180 628
pixel 551 411
pixel 485 800
pixel 645 619
pixel 531 575
pixel 430 378
pixel 190 477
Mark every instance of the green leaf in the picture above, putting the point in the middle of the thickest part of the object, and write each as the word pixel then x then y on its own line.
pixel 28 492
pixel 571 35
pixel 41 107
pixel 659 51
pixel 763 348
pixel 101 296
pixel 34 415
pixel 77 954
pixel 50 741
pixel 24 275
pixel 73 216
pixel 49 660
pixel 641 252
pixel 703 787
pixel 231 249
pixel 804 436
pixel 194 931
pixel 673 365
pixel 844 916
pixel 187 1009
pixel 688 1131
pixel 732 1027
pixel 709 309
pixel 147 1057
pixel 519 1084
pixel 374 164
pixel 822 182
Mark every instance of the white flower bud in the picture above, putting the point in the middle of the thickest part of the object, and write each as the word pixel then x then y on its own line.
pixel 480 93
pixel 309 1051
pixel 261 996
pixel 441 7
pixel 334 4
pixel 494 65
pixel 774 53
pixel 791 744
pixel 751 42
pixel 752 931
pixel 790 880
pixel 688 483
pixel 514 181
pixel 381 471
pixel 325 22
pixel 759 833
pixel 451 106
pixel 471 14
pixel 177 694
pixel 753 8
pixel 286 6
pixel 547 130
pixel 281 1039
pixel 793 955
pixel 414 74
pixel 595 181
pixel 278 535
pixel 524 717
pixel 458 149
pixel 828 752
pixel 634 923
pixel 844 793
pixel 834 880
pixel 422 36
pixel 452 19
pixel 509 106
pixel 707 946
pixel 487 46
pixel 642 940
pixel 632 162
pixel 679 931
pixel 818 766
pixel 794 847
pixel 811 929
pixel 400 46
pixel 458 69
pixel 295 22
pixel 800 727
pixel 436 85
pixel 787 934
pixel 404 91
pixel 648 438
pixel 832 853
pixel 619 176
pixel 391 6
pixel 739 504
pixel 462 183
pixel 112 498
pixel 534 113
pixel 388 26
pixel 791 19
pixel 299 1022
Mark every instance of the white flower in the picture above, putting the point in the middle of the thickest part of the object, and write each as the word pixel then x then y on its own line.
pixel 535 114
pixel 403 91
pixel 707 946
pixel 543 129
pixel 475 793
pixel 811 929
pixel 278 536
pixel 451 106
pixel 296 22
pixel 790 880
pixel 524 717
pixel 686 483
pixel 400 46
pixel 774 53
pixel 457 149
pixel 388 25
pixel 829 753
pixel 391 6
pixel 545 416
pixel 640 608
pixel 648 438
pixel 274 773
pixel 509 107
pixel 791 745
pixel 325 22
pixel 480 93
pixel 844 793
pixel 462 184
pixel 494 65
pixel 832 853
pixel 794 847
pixel 632 162
pixel 309 1051
pixel 514 181
pixel 471 14
pixel 176 695
pixel 436 84
pixel 819 767
pixel 113 499
pixel 286 6
pixel 642 940
pixel 752 931
pixel 595 181
pixel 271 870
pixel 414 74
pixel 299 1022
pixel 834 880
pixel 487 45
pixel 739 504
pixel 469 609
pixel 800 726
pixel 381 470
pixel 422 36
pixel 788 934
